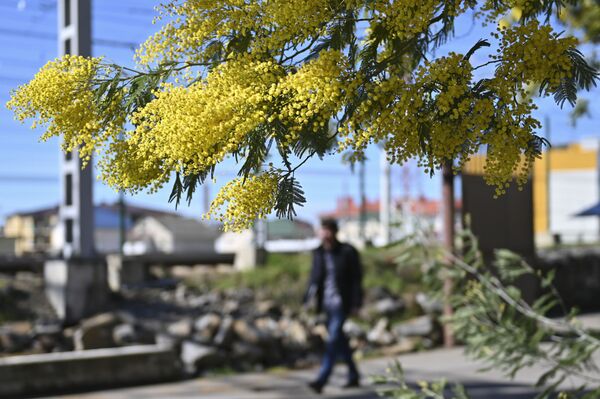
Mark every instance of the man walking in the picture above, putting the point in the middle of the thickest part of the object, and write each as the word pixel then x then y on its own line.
pixel 336 286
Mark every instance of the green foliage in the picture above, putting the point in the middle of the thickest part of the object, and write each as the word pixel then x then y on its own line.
pixel 396 387
pixel 382 269
pixel 499 327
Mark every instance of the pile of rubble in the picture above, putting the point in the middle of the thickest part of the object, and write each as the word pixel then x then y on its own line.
pixel 234 329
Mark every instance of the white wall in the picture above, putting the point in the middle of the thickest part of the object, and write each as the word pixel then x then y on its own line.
pixel 571 192
pixel 106 241
pixel 162 239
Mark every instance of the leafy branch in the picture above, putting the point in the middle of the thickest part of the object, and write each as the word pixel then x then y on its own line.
pixel 498 326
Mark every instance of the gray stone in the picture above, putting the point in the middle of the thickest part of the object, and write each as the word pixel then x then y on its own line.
pixel 418 327
pixel 196 357
pixel 166 341
pixel 47 329
pixel 379 335
pixel 208 325
pixel 375 294
pixel 320 330
pixel 247 332
pixel 353 330
pixel 181 328
pixel 268 308
pixel 230 307
pixel 225 334
pixel 295 334
pixel 96 332
pixel 268 327
pixel 204 300
pixel 45 343
pixel 388 306
pixel 124 334
pixel 428 304
pixel 181 294
pixel 17 327
pixel 12 342
pixel 246 352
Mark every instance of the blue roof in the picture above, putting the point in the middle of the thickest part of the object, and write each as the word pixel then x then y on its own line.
pixel 109 218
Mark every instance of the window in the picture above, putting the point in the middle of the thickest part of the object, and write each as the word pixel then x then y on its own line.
pixel 67 13
pixel 69 231
pixel 68 46
pixel 69 189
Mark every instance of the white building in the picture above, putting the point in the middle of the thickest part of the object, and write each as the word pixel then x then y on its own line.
pixel 567 181
pixel 169 235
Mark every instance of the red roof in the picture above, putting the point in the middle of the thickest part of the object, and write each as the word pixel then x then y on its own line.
pixel 346 207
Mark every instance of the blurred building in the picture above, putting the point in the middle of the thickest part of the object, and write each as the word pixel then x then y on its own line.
pixel 407 216
pixel 32 230
pixel 566 181
pixel 169 234
pixel 38 231
pixel 7 245
pixel 282 235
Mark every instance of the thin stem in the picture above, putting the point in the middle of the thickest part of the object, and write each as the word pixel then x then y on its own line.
pixel 487 63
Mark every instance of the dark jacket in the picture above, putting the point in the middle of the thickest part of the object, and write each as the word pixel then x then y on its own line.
pixel 348 276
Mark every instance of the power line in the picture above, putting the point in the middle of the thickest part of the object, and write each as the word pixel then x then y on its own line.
pixel 50 36
pixel 28 33
pixel 28 179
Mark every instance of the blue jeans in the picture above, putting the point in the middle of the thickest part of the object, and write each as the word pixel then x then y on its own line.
pixel 337 346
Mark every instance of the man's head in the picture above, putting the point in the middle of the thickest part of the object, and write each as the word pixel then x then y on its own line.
pixel 328 232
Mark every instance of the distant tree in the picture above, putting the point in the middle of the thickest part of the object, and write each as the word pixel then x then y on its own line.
pixel 302 78
pixel 585 17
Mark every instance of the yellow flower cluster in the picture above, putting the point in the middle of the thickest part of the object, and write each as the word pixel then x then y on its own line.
pixel 407 18
pixel 195 127
pixel 241 201
pixel 430 119
pixel 439 117
pixel 312 95
pixel 532 54
pixel 293 21
pixel 60 98
pixel 128 165
pixel 194 24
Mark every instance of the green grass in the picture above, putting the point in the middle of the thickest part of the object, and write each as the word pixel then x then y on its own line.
pixel 284 277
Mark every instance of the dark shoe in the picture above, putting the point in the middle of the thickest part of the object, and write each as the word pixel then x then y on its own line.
pixel 316 386
pixel 351 384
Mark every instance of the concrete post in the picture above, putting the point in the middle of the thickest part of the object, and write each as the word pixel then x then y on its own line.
pixel 449 235
pixel 76 210
pixel 76 285
pixel 385 198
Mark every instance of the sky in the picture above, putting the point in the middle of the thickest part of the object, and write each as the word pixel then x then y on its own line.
pixel 29 170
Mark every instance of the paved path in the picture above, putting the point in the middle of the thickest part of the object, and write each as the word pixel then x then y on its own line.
pixel 449 363
pixel 443 363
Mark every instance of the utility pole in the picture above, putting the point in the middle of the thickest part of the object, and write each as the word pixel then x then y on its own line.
pixel 76 212
pixel 122 221
pixel 449 235
pixel 548 172
pixel 76 285
pixel 385 200
pixel 363 201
